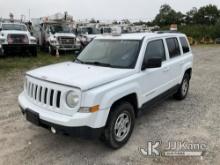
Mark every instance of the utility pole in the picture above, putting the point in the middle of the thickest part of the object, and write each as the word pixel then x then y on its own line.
pixel 29 14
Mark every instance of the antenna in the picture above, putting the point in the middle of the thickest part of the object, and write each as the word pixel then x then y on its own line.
pixel 11 16
pixel 29 14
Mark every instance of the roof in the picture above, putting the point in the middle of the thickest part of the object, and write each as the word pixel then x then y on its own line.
pixel 140 36
pixel 12 23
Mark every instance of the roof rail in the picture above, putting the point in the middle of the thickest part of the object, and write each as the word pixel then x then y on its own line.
pixel 167 31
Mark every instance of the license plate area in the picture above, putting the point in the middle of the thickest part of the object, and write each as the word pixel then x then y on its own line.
pixel 33 117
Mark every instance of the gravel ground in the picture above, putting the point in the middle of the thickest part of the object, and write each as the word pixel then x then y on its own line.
pixel 195 120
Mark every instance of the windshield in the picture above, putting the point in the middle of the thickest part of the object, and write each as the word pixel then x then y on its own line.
pixel 18 27
pixel 106 30
pixel 85 30
pixel 60 29
pixel 111 53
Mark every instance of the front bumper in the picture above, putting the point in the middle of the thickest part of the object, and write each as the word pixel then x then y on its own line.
pixel 67 47
pixel 6 46
pixel 17 47
pixel 84 131
pixel 92 123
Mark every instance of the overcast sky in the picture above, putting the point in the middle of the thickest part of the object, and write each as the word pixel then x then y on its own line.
pixel 98 9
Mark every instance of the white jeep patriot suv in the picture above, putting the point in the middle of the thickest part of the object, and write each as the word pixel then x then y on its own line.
pixel 112 80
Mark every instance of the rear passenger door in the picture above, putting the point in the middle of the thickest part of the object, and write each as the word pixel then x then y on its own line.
pixel 175 61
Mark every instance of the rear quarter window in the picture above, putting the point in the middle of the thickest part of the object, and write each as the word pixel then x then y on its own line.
pixel 185 45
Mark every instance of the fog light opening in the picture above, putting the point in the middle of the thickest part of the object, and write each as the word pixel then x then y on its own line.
pixel 53 130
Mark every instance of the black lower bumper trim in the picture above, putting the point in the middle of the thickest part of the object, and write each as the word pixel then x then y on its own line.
pixel 84 132
pixel 18 48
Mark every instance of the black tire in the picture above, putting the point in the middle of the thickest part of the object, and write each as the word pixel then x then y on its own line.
pixel 183 90
pixel 33 52
pixel 51 51
pixel 1 52
pixel 118 114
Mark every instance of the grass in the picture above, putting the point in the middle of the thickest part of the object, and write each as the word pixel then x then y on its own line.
pixel 24 63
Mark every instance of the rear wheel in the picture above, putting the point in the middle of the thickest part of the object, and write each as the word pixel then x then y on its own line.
pixel 184 88
pixel 120 125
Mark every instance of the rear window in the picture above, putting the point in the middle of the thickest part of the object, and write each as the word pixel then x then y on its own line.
pixel 185 45
pixel 173 47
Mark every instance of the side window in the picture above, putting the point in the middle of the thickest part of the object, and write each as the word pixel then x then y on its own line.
pixel 155 49
pixel 173 47
pixel 185 45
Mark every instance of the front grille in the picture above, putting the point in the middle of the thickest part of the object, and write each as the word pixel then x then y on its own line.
pixel 43 94
pixel 66 41
pixel 17 39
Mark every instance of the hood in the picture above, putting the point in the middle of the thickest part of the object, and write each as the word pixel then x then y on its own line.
pixel 65 35
pixel 92 36
pixel 79 75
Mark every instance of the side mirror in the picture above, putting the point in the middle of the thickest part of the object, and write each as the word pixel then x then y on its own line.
pixel 155 62
pixel 0 28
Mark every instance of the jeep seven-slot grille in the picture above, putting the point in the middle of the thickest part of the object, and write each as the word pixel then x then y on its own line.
pixel 43 95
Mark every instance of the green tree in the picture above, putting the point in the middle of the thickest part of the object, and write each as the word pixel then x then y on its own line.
pixel 190 16
pixel 208 15
pixel 168 16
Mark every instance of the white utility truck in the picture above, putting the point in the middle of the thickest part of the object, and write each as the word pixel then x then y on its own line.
pixel 14 37
pixel 55 33
pixel 110 83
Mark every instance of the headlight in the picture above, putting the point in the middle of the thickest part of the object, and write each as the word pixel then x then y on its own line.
pixel 53 42
pixel 72 99
pixel 33 41
pixel 2 41
pixel 89 39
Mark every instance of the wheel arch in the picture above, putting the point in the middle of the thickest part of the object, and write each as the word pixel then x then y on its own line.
pixel 189 71
pixel 130 98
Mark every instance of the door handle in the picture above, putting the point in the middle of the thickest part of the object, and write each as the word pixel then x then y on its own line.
pixel 166 69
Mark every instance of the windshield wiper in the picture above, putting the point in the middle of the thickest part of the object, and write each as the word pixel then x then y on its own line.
pixel 100 64
pixel 79 61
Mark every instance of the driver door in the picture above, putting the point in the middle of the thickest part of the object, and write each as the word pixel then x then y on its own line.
pixel 154 80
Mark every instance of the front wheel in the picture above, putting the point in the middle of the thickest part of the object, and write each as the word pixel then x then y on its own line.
pixel 183 89
pixel 1 52
pixel 120 125
pixel 33 51
pixel 51 50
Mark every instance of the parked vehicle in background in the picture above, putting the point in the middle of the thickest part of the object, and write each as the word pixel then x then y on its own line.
pixel 217 40
pixel 55 33
pixel 15 37
pixel 85 39
pixel 85 34
pixel 109 84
